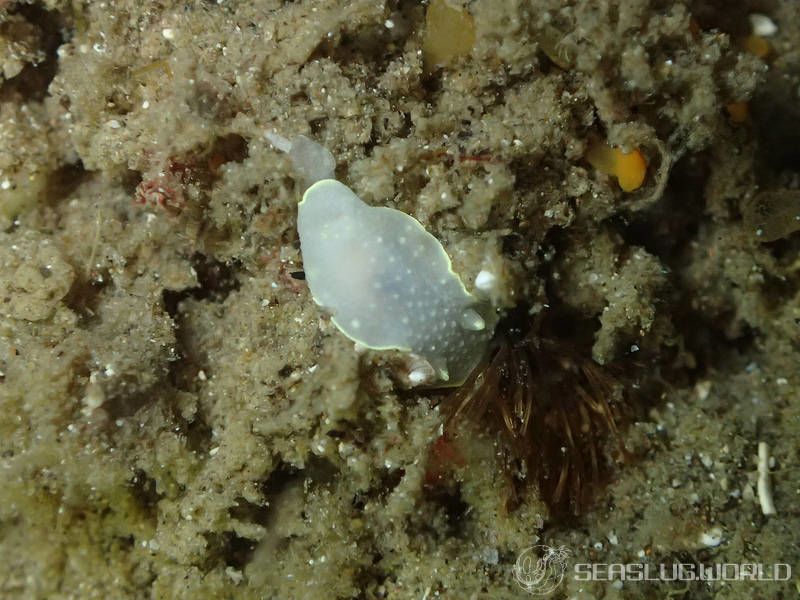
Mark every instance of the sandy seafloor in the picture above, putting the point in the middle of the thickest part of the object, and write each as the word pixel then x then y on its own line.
pixel 179 419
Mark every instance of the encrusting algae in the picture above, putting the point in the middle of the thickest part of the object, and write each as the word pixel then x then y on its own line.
pixel 180 418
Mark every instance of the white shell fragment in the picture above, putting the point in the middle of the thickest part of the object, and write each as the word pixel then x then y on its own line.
pixel 762 25
pixel 388 282
pixel 485 280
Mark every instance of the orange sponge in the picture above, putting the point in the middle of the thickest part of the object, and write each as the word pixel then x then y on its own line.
pixel 630 168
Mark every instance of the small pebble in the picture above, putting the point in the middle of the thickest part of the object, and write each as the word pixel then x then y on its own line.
pixel 711 538
pixel 762 25
pixel 485 280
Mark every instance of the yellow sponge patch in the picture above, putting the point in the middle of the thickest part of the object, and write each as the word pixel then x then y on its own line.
pixel 449 33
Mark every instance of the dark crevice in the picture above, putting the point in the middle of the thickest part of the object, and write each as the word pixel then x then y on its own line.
pixel 228 148
pixel 248 512
pixel 321 471
pixel 233 550
pixel 239 550
pixel 776 115
pixel 216 280
pixel 213 102
pixel 63 182
pixel 198 432
pixel 449 500
pixel 144 490
pixel 407 127
pixel 317 125
pixel 364 53
pixel 85 295
pixel 279 480
pixel 730 17
pixel 431 87
pixel 34 80
pixel 123 405
pixel 202 168
pixel 669 230
pixel 129 180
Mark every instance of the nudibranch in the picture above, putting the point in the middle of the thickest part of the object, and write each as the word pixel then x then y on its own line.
pixel 387 282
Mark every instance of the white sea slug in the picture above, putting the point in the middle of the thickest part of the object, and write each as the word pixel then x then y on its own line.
pixel 387 282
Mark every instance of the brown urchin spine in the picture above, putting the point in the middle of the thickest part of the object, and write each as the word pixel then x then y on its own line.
pixel 555 408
